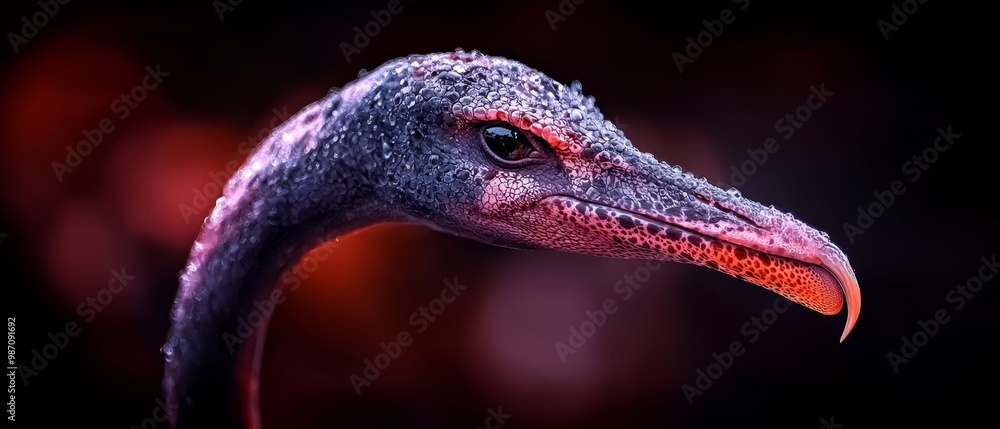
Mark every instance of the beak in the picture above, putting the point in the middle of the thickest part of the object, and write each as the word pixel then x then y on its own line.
pixel 658 212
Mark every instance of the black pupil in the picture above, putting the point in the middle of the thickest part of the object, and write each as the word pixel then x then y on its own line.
pixel 507 142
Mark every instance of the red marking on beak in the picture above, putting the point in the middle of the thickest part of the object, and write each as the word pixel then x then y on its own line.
pixel 805 268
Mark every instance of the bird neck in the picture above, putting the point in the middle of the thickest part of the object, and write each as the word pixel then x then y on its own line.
pixel 303 185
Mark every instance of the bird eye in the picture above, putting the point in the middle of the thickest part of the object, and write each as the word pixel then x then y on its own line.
pixel 507 143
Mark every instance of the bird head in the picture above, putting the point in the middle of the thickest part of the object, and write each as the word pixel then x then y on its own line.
pixel 488 148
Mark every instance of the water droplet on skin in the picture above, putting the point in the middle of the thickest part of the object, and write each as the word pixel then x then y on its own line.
pixel 576 86
pixel 362 73
pixel 459 51
pixel 733 192
pixel 677 169
pixel 168 352
pixel 386 150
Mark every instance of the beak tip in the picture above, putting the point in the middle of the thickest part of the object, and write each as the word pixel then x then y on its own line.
pixel 842 271
pixel 853 295
pixel 853 310
pixel 847 330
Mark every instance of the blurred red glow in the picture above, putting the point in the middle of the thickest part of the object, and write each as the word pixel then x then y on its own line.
pixel 158 179
pixel 82 249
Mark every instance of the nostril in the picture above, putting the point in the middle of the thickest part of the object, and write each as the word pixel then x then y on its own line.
pixel 705 199
pixel 739 215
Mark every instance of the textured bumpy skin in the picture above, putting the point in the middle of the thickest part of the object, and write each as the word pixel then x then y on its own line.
pixel 405 143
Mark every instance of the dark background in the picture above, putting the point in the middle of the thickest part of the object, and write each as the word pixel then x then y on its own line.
pixel 494 346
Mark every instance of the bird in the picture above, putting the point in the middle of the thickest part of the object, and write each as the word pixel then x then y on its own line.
pixel 478 146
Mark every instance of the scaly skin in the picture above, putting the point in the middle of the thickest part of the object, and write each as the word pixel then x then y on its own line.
pixel 404 143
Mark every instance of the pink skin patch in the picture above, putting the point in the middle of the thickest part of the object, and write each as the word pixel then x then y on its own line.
pixel 507 192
